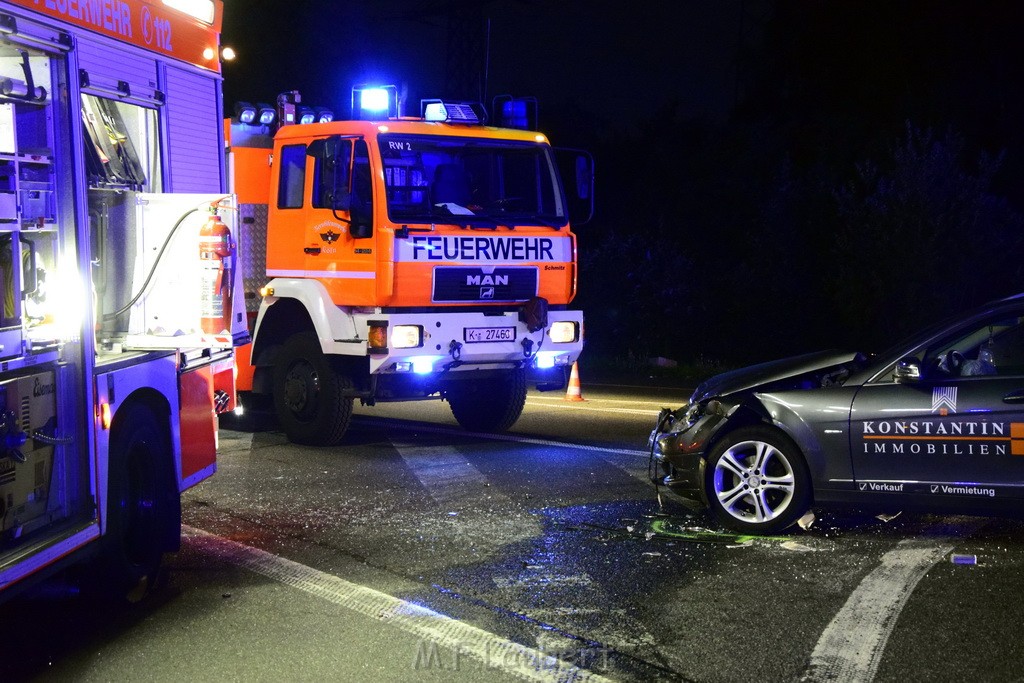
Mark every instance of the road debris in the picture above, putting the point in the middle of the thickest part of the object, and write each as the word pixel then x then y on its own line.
pixel 807 521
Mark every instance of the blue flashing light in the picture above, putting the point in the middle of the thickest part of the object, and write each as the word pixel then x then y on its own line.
pixel 545 360
pixel 423 365
pixel 375 101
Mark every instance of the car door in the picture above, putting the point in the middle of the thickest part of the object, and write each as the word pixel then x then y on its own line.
pixel 958 430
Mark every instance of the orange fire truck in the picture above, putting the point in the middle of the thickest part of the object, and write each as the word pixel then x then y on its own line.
pixel 115 342
pixel 394 258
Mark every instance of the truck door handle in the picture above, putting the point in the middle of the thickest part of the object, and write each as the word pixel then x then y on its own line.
pixel 313 251
pixel 1014 397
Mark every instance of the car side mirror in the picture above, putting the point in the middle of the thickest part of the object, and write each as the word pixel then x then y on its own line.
pixel 907 371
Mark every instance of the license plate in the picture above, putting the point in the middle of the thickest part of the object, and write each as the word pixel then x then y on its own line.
pixel 490 334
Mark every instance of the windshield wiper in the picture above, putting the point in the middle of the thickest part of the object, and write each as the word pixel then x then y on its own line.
pixel 466 221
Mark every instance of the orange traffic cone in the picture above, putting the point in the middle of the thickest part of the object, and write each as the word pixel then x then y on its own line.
pixel 573 393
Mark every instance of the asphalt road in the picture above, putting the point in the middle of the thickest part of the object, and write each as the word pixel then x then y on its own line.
pixel 416 551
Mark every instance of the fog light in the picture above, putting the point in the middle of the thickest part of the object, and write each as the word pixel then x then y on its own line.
pixel 407 336
pixel 563 332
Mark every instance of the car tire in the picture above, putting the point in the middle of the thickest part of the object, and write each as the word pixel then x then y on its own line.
pixel 309 395
pixel 756 481
pixel 488 405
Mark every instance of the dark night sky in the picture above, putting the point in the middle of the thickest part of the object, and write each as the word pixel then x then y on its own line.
pixel 851 169
pixel 591 54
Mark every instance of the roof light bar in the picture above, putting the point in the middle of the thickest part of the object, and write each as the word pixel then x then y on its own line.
pixel 452 112
pixel 203 10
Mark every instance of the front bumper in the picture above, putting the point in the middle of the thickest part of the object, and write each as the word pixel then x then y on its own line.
pixel 680 453
pixel 448 346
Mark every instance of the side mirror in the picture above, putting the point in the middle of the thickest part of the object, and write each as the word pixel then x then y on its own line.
pixel 577 169
pixel 907 371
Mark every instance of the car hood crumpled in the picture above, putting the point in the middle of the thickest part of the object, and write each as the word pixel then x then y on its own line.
pixel 754 376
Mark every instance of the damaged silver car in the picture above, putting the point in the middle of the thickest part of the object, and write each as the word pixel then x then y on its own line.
pixel 935 423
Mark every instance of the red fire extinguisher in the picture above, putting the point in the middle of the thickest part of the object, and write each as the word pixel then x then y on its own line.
pixel 216 258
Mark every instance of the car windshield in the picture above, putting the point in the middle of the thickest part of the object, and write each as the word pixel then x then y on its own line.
pixel 470 181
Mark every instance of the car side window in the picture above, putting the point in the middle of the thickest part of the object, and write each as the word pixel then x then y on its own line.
pixel 995 347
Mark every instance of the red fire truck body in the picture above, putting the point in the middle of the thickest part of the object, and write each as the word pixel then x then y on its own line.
pixel 116 353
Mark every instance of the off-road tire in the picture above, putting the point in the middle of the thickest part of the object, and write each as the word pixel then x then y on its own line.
pixel 492 404
pixel 309 394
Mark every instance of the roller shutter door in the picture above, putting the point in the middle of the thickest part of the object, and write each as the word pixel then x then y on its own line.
pixel 106 65
pixel 193 132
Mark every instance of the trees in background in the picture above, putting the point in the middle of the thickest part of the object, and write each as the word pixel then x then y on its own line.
pixel 869 181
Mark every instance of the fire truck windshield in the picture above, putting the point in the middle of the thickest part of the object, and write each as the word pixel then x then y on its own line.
pixel 434 178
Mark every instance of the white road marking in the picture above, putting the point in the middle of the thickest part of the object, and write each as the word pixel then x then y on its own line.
pixel 446 474
pixel 431 429
pixel 492 651
pixel 591 409
pixel 660 404
pixel 622 459
pixel 852 645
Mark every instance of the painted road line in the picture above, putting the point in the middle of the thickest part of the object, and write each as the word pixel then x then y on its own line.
pixel 491 651
pixel 590 409
pixel 852 645
pixel 660 404
pixel 626 460
pixel 446 474
pixel 431 429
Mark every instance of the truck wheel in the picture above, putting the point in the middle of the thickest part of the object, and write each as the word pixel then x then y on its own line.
pixel 143 507
pixel 309 396
pixel 488 405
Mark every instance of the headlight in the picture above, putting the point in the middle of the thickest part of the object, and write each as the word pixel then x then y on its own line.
pixel 564 332
pixel 406 337
pixel 693 413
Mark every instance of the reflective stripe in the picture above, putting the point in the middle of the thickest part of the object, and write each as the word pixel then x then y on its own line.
pixel 351 274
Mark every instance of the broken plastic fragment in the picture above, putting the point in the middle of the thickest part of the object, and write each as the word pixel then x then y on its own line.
pixel 798 547
pixel 963 559
pixel 653 554
pixel 888 518
pixel 806 521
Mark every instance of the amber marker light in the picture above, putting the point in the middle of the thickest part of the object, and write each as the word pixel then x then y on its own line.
pixel 377 337
pixel 106 417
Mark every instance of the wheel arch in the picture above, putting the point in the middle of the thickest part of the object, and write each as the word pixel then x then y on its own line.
pixel 278 320
pixel 754 413
pixel 297 305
